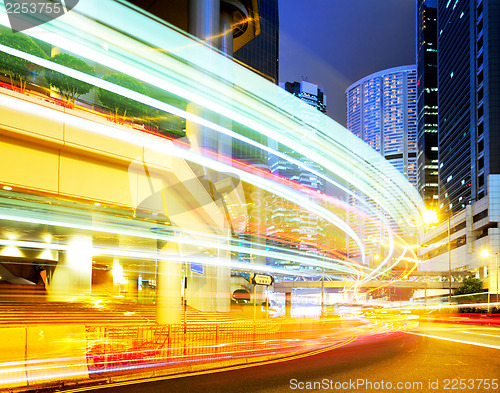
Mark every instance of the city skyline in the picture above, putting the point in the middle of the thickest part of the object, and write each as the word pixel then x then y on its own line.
pixel 365 38
pixel 173 220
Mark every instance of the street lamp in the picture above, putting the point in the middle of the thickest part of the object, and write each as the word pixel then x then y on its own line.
pixel 429 217
pixel 485 254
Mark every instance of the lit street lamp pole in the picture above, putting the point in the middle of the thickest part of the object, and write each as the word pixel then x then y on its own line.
pixel 449 259
pixel 429 217
pixel 496 260
pixel 485 254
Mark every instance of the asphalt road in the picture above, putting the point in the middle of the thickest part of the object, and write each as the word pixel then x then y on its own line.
pixel 434 358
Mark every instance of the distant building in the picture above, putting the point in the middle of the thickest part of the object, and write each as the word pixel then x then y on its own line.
pixel 427 102
pixel 308 92
pixel 382 111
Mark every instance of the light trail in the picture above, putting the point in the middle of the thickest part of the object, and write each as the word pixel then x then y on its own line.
pixel 152 143
pixel 143 255
pixel 176 64
pixel 99 50
pixel 455 340
pixel 481 334
pixel 29 217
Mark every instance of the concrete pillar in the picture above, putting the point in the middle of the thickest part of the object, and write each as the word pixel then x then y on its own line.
pixel 258 221
pixel 72 277
pixel 118 278
pixel 223 284
pixel 169 288
pixel 471 235
pixel 211 290
pixel 204 16
pixel 226 31
pixel 288 304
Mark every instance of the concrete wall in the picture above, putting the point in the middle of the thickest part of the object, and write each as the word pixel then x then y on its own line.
pixel 37 354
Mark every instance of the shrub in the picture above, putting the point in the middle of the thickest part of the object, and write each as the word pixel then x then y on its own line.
pixel 16 68
pixel 120 105
pixel 70 88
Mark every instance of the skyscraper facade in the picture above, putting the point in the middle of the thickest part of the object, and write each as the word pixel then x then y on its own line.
pixel 427 101
pixel 456 121
pixel 469 100
pixel 262 53
pixel 382 111
pixel 290 226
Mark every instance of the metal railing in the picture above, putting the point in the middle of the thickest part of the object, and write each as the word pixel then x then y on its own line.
pixel 124 347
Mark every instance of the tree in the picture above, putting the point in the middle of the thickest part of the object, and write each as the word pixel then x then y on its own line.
pixel 120 105
pixel 70 88
pixel 16 68
pixel 469 285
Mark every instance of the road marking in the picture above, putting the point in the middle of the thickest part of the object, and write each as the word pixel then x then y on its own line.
pixel 481 334
pixel 455 340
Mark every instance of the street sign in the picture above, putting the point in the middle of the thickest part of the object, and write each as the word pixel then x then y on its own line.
pixel 197 268
pixel 262 279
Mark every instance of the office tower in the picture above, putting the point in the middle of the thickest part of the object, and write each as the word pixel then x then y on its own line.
pixel 291 226
pixel 262 53
pixel 456 121
pixel 469 100
pixel 427 100
pixel 287 225
pixel 382 110
pixel 261 56
pixel 308 92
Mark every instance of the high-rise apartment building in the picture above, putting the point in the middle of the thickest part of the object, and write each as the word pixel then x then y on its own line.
pixel 469 99
pixel 382 111
pixel 427 102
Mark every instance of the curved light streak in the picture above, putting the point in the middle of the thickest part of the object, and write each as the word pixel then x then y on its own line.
pixel 340 148
pixel 173 63
pixel 31 217
pixel 158 145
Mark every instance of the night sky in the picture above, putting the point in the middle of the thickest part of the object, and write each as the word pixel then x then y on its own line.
pixel 334 43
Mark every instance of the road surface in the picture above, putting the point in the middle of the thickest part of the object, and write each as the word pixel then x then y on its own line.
pixel 432 358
